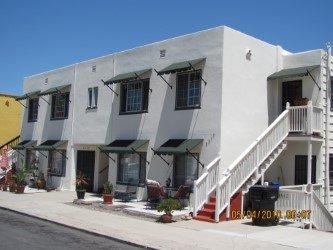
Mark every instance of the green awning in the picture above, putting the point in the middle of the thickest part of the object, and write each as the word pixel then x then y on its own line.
pixel 28 95
pixel 179 146
pixel 127 77
pixel 25 144
pixel 50 145
pixel 292 72
pixel 180 66
pixel 58 89
pixel 126 146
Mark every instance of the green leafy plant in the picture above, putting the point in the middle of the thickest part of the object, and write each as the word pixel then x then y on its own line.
pixel 81 182
pixel 168 205
pixel 107 188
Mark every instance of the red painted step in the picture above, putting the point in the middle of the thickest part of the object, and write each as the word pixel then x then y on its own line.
pixel 207 213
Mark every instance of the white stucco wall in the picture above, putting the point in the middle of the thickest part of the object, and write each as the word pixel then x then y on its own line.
pixel 46 129
pixel 237 103
pixel 245 100
pixel 162 122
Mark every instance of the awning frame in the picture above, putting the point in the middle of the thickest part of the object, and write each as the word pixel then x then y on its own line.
pixel 52 148
pixel 168 163
pixel 141 157
pixel 57 91
pixel 195 157
pixel 107 85
pixel 27 96
pixel 191 67
pixel 107 154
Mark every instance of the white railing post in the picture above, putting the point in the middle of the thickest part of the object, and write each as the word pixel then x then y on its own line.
pixel 217 203
pixel 195 208
pixel 310 117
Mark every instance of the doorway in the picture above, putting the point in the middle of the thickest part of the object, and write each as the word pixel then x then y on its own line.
pixel 86 165
pixel 301 169
pixel 291 92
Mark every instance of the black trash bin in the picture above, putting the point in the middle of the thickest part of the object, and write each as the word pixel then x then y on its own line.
pixel 263 205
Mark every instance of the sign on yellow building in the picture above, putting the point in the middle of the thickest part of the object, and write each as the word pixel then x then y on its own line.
pixel 10 118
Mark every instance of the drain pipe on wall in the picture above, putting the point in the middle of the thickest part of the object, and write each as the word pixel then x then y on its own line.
pixel 328 104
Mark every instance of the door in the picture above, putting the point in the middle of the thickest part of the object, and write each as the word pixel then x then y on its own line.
pixel 86 166
pixel 301 169
pixel 291 91
pixel 331 171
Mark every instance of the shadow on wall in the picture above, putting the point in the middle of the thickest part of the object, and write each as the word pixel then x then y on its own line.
pixel 122 126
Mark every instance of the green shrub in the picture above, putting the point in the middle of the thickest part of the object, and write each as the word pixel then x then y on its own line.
pixel 168 205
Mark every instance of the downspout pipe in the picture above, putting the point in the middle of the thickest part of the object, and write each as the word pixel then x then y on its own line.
pixel 328 110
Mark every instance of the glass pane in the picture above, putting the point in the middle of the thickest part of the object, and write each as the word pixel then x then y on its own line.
pixel 179 174
pixel 130 167
pixel 95 96
pixel 89 97
pixel 134 97
pixel 191 170
pixel 57 163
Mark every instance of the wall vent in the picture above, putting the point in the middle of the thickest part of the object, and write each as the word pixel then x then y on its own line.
pixel 162 53
pixel 93 68
pixel 46 81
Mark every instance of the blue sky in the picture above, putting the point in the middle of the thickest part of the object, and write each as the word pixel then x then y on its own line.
pixel 40 35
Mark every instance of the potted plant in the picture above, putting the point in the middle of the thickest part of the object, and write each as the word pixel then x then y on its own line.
pixel 12 187
pixel 41 183
pixel 107 193
pixel 20 180
pixel 167 206
pixel 4 187
pixel 81 183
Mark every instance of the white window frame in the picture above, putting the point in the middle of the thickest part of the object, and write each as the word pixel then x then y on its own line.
pixel 195 85
pixel 92 97
pixel 134 101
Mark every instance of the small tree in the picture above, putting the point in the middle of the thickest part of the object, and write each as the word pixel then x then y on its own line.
pixel 168 205
pixel 107 188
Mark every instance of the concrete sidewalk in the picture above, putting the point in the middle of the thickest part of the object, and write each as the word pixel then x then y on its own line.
pixel 180 235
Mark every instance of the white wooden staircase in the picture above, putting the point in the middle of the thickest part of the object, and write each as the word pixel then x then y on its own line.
pixel 213 191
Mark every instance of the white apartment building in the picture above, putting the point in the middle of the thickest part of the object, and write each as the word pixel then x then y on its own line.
pixel 190 109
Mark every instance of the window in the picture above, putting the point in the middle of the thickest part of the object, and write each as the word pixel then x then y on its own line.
pixel 301 169
pixel 188 92
pixel 57 162
pixel 92 97
pixel 185 170
pixel 31 158
pixel 331 169
pixel 134 97
pixel 331 93
pixel 131 168
pixel 60 105
pixel 33 110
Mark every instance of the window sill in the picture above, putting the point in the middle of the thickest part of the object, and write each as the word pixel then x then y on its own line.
pixel 91 108
pixel 57 119
pixel 187 108
pixel 56 175
pixel 133 113
pixel 128 184
pixel 31 121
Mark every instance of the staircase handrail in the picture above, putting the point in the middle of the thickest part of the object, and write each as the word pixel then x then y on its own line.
pixel 229 190
pixel 252 146
pixel 206 184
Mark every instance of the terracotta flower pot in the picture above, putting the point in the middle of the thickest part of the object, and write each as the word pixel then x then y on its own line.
pixel 12 188
pixel 107 198
pixel 80 194
pixel 166 218
pixel 20 189
pixel 41 184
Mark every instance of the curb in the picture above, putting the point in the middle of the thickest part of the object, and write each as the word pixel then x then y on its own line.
pixel 77 228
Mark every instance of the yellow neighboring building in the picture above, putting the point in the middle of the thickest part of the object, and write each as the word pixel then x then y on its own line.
pixel 10 118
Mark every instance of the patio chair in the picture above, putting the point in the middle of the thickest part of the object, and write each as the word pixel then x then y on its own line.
pixel 154 195
pixel 183 195
pixel 129 193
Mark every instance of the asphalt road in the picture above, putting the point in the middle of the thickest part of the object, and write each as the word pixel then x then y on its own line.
pixel 23 232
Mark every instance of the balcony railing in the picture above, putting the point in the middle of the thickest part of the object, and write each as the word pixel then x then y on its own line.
pixel 306 119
